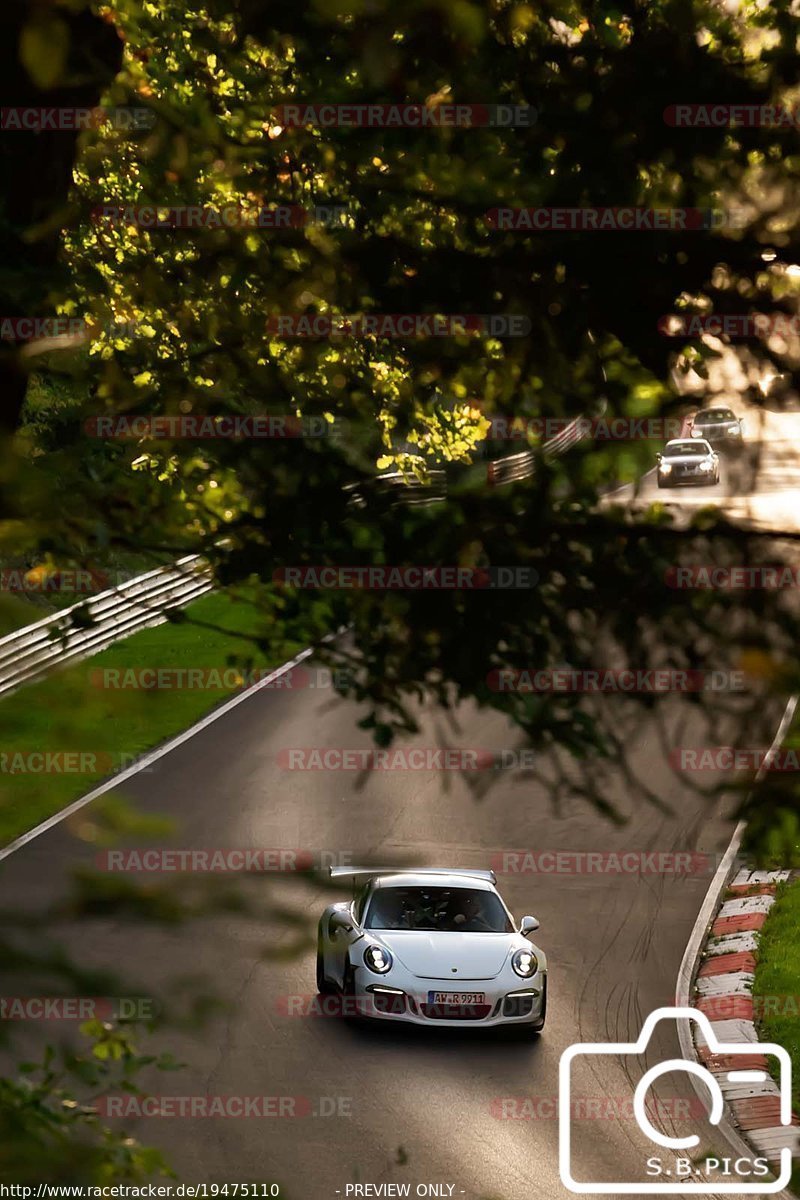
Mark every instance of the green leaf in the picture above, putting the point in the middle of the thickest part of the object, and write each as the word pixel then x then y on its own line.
pixel 43 49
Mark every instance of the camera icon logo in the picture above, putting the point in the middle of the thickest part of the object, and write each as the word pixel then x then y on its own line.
pixel 675 1179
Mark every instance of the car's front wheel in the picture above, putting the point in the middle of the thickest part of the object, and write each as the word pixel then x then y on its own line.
pixel 539 1026
pixel 352 1006
pixel 348 980
pixel 323 986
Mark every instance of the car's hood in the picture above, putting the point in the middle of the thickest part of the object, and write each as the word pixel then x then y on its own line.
pixel 716 427
pixel 452 956
pixel 683 460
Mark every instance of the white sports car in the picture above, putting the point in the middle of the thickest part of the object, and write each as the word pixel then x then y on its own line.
pixel 431 946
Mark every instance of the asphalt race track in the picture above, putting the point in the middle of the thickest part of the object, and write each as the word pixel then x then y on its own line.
pixel 760 486
pixel 398 1105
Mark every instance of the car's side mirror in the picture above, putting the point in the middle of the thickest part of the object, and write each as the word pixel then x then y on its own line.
pixel 340 920
pixel 528 925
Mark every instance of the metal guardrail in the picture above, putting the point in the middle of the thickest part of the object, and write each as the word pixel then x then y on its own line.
pixel 511 469
pixel 30 653
pixel 413 491
pixel 521 466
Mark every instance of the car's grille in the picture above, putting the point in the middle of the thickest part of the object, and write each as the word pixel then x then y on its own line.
pixel 517 1006
pixel 455 1012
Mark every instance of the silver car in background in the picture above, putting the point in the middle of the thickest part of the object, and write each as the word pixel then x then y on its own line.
pixel 720 426
pixel 687 461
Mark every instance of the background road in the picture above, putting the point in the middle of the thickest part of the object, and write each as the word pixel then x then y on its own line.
pixel 760 487
pixel 412 1106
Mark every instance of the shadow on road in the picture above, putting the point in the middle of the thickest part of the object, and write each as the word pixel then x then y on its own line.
pixel 402 1036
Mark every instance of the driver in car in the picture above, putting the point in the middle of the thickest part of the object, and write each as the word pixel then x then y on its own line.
pixel 470 917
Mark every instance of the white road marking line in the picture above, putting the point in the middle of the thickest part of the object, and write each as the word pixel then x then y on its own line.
pixel 151 757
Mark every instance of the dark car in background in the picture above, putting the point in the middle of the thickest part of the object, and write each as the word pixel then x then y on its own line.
pixel 720 426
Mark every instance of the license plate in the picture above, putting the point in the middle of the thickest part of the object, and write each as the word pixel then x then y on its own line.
pixel 447 998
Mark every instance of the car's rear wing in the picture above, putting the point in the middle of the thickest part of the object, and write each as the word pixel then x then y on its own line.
pixel 364 873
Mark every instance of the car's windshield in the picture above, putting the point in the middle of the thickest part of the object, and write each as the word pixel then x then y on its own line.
pixel 698 448
pixel 444 909
pixel 713 416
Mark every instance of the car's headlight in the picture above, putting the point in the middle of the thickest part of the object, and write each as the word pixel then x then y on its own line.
pixel 525 963
pixel 735 432
pixel 378 959
pixel 706 465
pixel 665 468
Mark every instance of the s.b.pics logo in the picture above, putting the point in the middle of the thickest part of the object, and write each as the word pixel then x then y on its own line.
pixel 678 1162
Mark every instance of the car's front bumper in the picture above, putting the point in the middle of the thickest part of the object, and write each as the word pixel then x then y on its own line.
pixel 681 479
pixel 405 998
pixel 724 440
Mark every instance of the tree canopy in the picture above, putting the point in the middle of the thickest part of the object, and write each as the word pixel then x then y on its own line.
pixel 185 322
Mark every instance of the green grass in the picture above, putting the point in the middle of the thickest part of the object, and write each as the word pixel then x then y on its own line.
pixel 20 607
pixel 69 711
pixel 778 976
pixel 17 611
